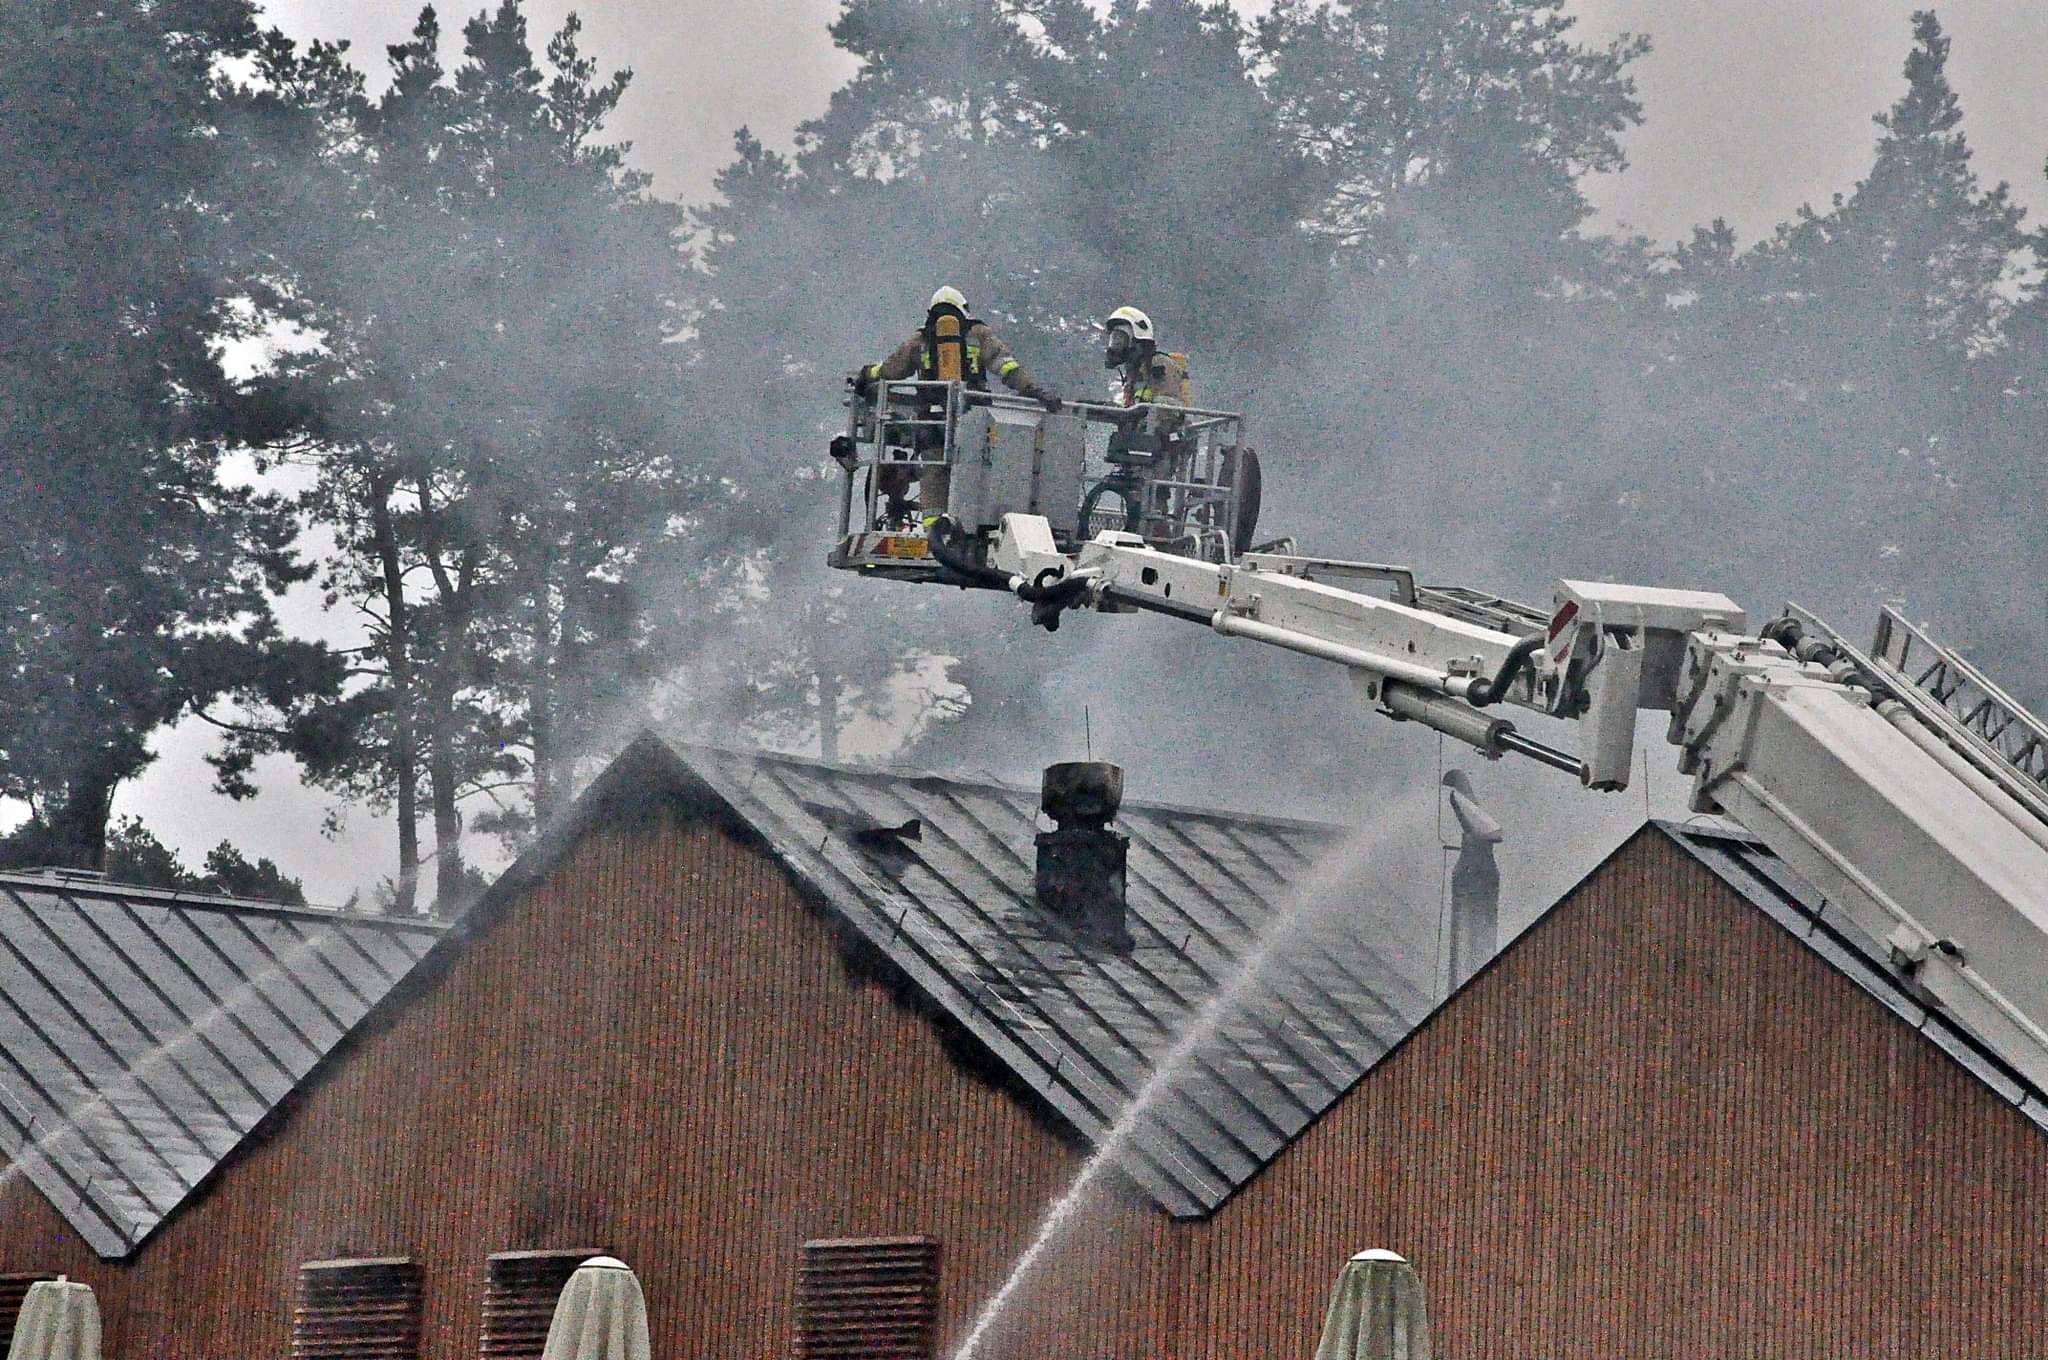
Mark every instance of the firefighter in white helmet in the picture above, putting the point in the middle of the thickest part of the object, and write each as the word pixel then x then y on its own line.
pixel 1154 382
pixel 951 346
pixel 1150 375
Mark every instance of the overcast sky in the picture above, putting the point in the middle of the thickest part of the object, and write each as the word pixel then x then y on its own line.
pixel 1753 107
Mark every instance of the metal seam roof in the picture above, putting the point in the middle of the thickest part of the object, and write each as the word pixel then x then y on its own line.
pixel 165 1005
pixel 144 1034
pixel 1250 937
pixel 267 991
pixel 1084 1027
pixel 954 912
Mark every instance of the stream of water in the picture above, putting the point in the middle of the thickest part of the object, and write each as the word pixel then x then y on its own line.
pixel 1335 883
pixel 127 1082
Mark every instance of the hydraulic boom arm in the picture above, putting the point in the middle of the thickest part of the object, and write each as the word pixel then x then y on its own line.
pixel 1425 656
pixel 1923 832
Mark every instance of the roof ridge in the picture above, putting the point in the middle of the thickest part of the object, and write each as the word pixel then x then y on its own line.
pixel 185 897
pixel 913 774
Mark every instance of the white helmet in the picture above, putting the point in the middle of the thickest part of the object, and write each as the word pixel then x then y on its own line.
pixel 948 296
pixel 1139 324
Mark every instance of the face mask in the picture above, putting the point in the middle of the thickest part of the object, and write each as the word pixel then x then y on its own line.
pixel 1119 348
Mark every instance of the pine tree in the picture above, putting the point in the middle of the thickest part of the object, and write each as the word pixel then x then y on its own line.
pixel 1196 200
pixel 2009 410
pixel 139 578
pixel 1457 129
pixel 501 450
pixel 1869 330
pixel 1465 338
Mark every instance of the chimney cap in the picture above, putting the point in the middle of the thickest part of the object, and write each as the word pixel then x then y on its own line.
pixel 1084 792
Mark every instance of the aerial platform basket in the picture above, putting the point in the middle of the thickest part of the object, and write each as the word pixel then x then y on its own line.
pixel 1182 478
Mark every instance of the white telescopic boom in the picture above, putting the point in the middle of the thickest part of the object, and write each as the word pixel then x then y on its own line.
pixel 1904 823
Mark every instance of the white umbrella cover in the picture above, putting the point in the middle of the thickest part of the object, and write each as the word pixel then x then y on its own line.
pixel 601 1315
pixel 59 1320
pixel 1376 1312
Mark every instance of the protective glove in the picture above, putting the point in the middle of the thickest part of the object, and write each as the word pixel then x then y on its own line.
pixel 860 382
pixel 1049 399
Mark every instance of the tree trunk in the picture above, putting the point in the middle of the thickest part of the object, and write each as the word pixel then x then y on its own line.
pixel 74 832
pixel 443 769
pixel 405 756
pixel 441 781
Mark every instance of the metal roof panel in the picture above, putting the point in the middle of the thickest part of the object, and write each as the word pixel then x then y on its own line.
pixel 144 1034
pixel 1085 1028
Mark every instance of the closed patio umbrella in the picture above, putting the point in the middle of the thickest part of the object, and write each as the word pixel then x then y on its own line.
pixel 59 1320
pixel 1376 1312
pixel 601 1315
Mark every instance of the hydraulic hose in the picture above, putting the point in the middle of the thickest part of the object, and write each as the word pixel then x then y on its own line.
pixel 1049 595
pixel 1492 691
pixel 945 536
pixel 1052 594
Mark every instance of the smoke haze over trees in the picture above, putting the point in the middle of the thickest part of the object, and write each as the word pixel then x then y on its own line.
pixel 557 446
pixel 493 445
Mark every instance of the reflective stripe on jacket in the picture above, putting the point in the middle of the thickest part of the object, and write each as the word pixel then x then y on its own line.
pixel 986 352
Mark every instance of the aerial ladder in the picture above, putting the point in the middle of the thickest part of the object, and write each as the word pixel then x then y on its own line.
pixel 1899 781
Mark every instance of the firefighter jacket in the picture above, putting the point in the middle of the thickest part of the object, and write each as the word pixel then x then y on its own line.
pixel 985 352
pixel 1159 378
